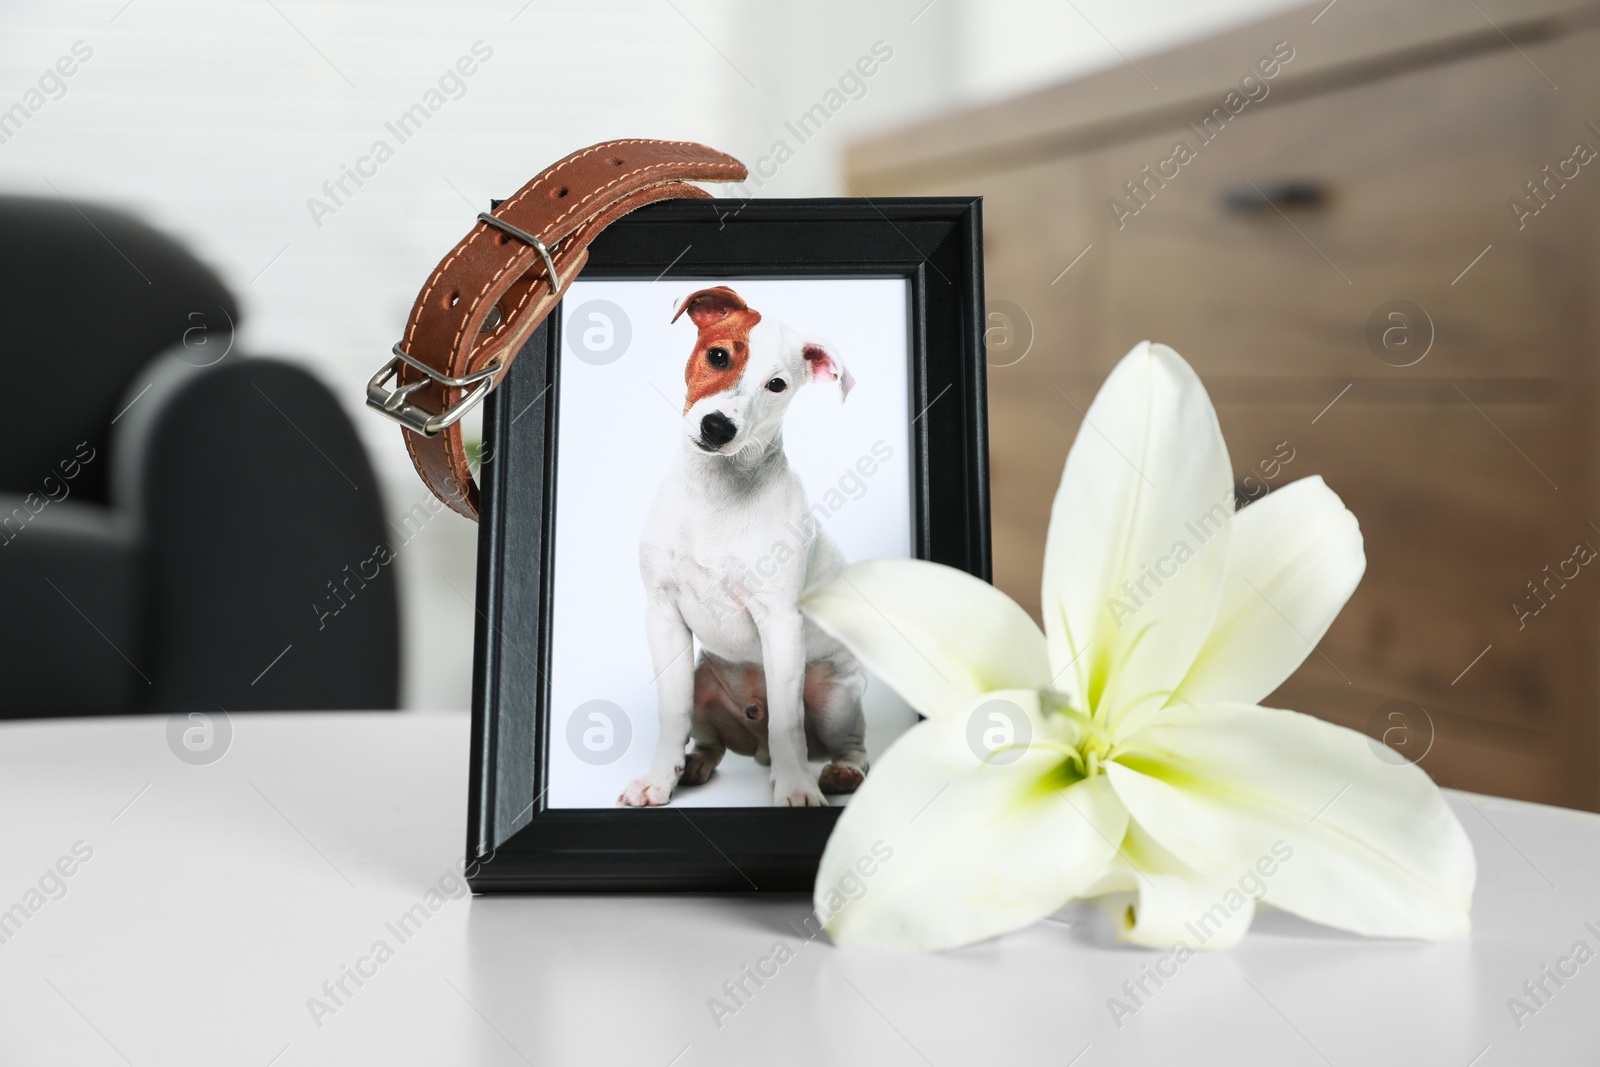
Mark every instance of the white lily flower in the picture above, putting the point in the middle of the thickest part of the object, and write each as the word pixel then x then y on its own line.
pixel 1142 772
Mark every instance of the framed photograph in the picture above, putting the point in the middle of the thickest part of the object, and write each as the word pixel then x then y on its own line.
pixel 736 399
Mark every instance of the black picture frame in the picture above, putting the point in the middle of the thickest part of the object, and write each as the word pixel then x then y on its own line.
pixel 514 842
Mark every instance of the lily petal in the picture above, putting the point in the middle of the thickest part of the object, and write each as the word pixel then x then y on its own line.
pixel 1295 558
pixel 939 637
pixel 1351 840
pixel 1173 903
pixel 960 848
pixel 1138 535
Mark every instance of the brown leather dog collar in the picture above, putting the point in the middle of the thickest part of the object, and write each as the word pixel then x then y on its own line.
pixel 492 290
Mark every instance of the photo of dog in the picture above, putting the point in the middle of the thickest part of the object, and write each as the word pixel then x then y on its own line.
pixel 722 446
pixel 768 683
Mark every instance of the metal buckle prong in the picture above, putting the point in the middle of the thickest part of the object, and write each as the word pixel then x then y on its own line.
pixel 393 402
pixel 454 383
pixel 528 238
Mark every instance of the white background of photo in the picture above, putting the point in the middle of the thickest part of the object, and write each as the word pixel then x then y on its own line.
pixel 620 429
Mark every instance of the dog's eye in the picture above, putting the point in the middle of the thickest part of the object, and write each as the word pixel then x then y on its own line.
pixel 777 385
pixel 717 357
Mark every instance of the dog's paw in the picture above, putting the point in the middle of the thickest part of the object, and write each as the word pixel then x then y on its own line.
pixel 797 793
pixel 697 770
pixel 841 778
pixel 646 793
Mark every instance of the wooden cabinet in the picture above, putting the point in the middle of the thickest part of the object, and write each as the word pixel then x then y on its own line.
pixel 1337 252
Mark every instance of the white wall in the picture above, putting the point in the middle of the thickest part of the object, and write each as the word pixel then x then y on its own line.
pixel 218 121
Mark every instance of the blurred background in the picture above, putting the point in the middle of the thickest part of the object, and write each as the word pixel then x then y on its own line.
pixel 1337 247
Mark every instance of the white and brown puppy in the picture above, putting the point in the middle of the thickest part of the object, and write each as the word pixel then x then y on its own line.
pixel 729 547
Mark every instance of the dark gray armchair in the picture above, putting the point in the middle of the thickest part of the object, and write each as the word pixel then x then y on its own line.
pixel 178 521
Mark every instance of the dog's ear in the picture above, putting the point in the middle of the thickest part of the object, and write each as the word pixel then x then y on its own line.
pixel 822 367
pixel 709 305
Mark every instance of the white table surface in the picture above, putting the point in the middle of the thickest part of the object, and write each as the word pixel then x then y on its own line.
pixel 219 898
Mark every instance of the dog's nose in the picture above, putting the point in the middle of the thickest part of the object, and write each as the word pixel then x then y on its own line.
pixel 716 429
